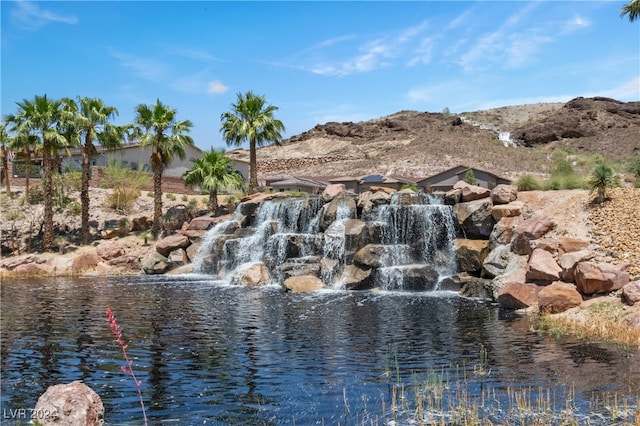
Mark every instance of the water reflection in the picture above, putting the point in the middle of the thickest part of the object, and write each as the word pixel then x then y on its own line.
pixel 209 352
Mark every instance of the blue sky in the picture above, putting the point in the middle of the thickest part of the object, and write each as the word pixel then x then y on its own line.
pixel 317 61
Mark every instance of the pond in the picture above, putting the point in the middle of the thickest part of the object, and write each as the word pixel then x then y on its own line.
pixel 211 353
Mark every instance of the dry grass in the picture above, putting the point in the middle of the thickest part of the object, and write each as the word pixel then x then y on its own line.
pixel 602 321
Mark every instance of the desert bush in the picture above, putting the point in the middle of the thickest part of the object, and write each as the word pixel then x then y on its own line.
pixel 410 186
pixel 634 166
pixel 13 214
pixel 602 178
pixel 528 183
pixel 185 198
pixel 74 208
pixel 171 197
pixel 470 178
pixel 36 194
pixel 126 184
pixel 122 199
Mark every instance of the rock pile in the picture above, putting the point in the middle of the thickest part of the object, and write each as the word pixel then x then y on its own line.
pixel 520 264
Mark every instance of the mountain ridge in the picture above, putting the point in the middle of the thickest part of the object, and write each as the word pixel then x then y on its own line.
pixel 418 144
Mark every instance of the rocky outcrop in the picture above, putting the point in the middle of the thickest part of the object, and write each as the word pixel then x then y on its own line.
pixel 303 283
pixel 332 191
pixel 631 293
pixel 515 295
pixel 594 277
pixel 504 194
pixel 471 255
pixel 570 260
pixel 69 404
pixel 471 192
pixel 171 243
pixel 475 219
pixel 558 297
pixel 542 267
pixel 108 250
pixel 251 274
pixel 529 230
pixel 155 263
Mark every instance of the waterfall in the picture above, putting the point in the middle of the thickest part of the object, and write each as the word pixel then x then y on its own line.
pixel 413 235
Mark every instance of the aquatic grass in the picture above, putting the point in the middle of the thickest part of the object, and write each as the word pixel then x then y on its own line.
pixel 127 369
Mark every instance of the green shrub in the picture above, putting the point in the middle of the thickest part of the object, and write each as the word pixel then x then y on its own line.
pixel 602 178
pixel 36 194
pixel 634 166
pixel 470 178
pixel 185 198
pixel 74 208
pixel 122 199
pixel 171 197
pixel 410 186
pixel 528 183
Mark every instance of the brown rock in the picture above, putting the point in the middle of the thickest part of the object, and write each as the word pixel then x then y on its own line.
pixel 542 267
pixel 518 295
pixel 504 194
pixel 570 244
pixel 355 278
pixel 384 189
pixel 142 223
pixel 507 210
pixel 107 234
pixel 471 254
pixel 569 261
pixel 69 404
pixel 503 230
pixel 29 269
pixel 83 262
pixel 109 250
pixel 171 243
pixel 251 274
pixel 592 277
pixel 201 223
pixel 631 293
pixel 558 297
pixel 530 229
pixel 332 191
pixel 303 283
pixel 471 192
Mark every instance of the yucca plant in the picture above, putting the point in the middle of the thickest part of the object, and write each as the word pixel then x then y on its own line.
pixel 601 178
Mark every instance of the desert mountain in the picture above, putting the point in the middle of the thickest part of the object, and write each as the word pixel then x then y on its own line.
pixel 509 140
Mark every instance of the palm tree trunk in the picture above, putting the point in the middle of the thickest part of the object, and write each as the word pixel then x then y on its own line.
pixel 27 167
pixel 48 195
pixel 157 226
pixel 253 167
pixel 213 199
pixel 5 166
pixel 84 191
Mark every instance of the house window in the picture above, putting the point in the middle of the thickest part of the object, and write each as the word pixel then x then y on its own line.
pixel 125 164
pixel 146 168
pixel 134 165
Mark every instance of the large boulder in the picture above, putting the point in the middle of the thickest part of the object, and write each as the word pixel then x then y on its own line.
pixel 178 257
pixel 503 230
pixel 507 210
pixel 516 295
pixel 542 267
pixel 308 266
pixel 412 277
pixel 176 216
pixel 84 262
pixel 631 293
pixel 593 277
pixel 571 244
pixel 558 297
pixel 71 404
pixel 471 192
pixel 499 261
pixel 570 260
pixel 332 191
pixel 470 254
pixel 379 255
pixel 504 194
pixel 330 211
pixel 251 274
pixel 355 278
pixel 154 263
pixel 171 243
pixel 303 283
pixel 480 288
pixel 201 223
pixel 529 230
pixel 475 219
pixel 110 249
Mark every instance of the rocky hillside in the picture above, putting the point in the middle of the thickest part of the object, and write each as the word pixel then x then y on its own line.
pixel 411 143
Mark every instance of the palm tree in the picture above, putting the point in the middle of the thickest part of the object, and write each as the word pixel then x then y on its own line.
pixel 4 152
pixel 157 127
pixel 632 9
pixel 90 117
pixel 601 178
pixel 211 172
pixel 251 119
pixel 39 117
pixel 24 143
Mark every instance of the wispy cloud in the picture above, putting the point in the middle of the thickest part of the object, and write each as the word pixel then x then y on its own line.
pixel 145 68
pixel 30 16
pixel 368 55
pixel 626 91
pixel 194 54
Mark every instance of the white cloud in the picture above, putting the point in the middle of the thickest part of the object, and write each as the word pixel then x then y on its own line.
pixel 216 87
pixel 195 54
pixel 145 68
pixel 29 16
pixel 368 56
pixel 626 91
pixel 574 24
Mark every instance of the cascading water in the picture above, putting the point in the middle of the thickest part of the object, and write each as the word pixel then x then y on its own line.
pixel 293 237
pixel 418 241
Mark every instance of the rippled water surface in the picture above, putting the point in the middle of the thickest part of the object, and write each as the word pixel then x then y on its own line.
pixel 209 353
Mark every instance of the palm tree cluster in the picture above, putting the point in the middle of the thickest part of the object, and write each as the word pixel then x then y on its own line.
pixel 44 127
